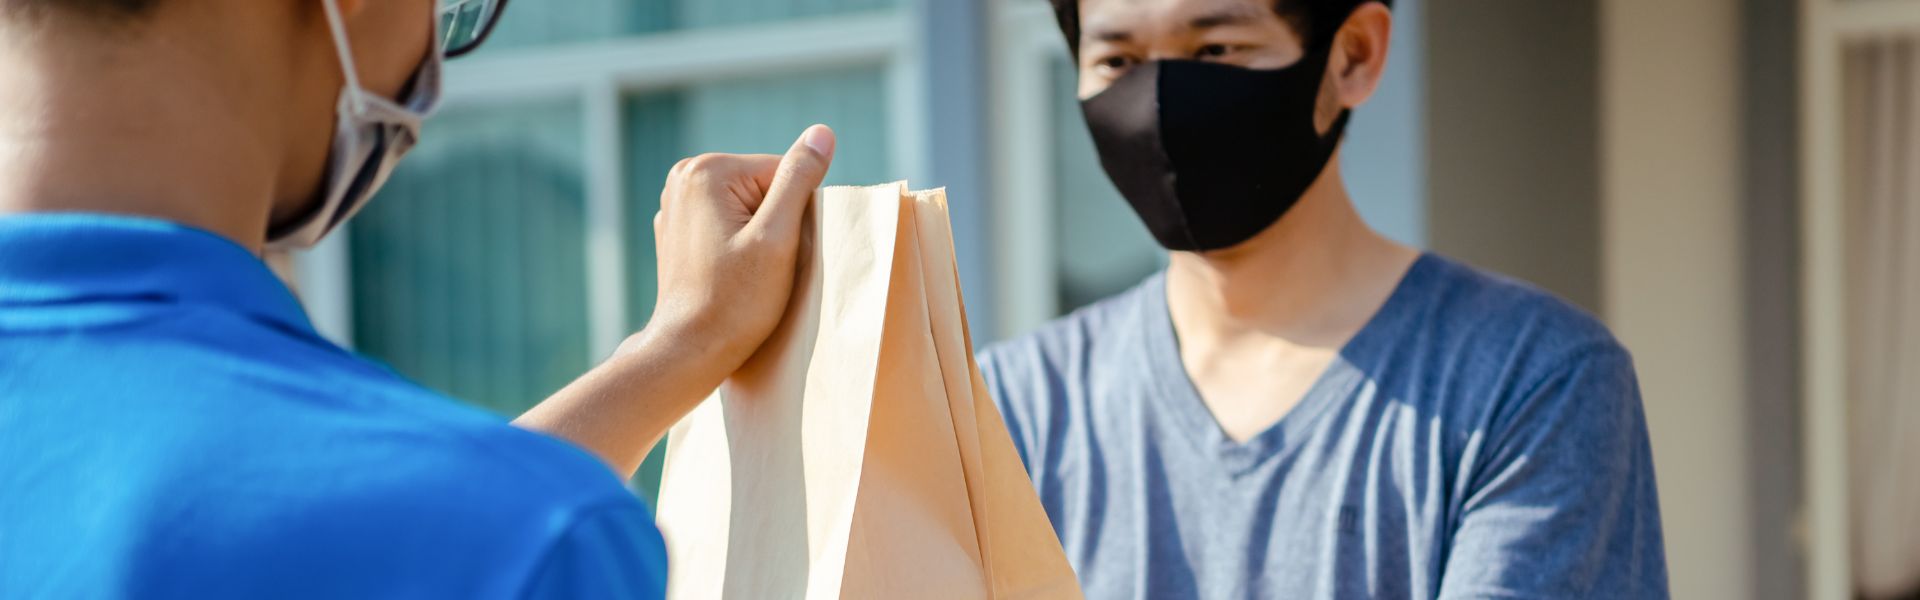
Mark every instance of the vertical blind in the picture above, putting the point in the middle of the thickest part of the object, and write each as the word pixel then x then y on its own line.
pixel 1882 117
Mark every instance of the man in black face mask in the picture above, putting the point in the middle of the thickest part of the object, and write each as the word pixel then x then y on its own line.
pixel 1298 406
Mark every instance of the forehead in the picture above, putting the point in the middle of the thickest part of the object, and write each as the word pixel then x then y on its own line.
pixel 1107 19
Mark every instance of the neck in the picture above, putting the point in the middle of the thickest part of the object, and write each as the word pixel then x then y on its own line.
pixel 140 126
pixel 1313 278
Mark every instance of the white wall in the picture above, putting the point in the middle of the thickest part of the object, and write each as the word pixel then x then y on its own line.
pixel 1672 268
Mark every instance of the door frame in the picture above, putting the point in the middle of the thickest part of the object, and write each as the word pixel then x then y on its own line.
pixel 1827 27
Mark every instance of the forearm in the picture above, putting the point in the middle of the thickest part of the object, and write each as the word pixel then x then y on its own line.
pixel 621 408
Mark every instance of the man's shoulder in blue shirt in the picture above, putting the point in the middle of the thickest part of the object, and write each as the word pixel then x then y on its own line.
pixel 1476 438
pixel 174 427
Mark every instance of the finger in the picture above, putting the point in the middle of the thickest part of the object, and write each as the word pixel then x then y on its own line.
pixel 761 169
pixel 733 183
pixel 799 174
pixel 742 177
pixel 676 177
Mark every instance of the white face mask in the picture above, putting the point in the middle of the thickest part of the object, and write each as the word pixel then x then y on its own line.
pixel 371 134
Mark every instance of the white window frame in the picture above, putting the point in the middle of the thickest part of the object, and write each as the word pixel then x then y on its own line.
pixel 600 75
pixel 1026 41
pixel 1826 28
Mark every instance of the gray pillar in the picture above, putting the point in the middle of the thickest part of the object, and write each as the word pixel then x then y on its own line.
pixel 1770 128
pixel 1512 146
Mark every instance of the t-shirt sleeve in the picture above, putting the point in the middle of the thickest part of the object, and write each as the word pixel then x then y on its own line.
pixel 1562 503
pixel 1012 402
pixel 610 552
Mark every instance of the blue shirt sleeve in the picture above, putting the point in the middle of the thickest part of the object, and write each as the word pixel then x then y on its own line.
pixel 610 552
pixel 1562 502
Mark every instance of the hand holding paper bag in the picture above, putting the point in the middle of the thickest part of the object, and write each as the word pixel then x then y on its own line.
pixel 727 236
pixel 857 454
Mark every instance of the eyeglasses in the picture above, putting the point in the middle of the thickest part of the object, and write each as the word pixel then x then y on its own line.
pixel 464 24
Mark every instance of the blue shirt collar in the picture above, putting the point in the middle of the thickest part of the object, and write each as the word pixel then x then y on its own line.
pixel 74 258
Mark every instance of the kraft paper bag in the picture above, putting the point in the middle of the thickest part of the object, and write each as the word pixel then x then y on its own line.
pixel 858 453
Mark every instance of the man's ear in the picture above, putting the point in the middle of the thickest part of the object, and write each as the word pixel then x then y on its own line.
pixel 1360 53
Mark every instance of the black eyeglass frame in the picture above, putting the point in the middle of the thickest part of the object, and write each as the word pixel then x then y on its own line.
pixel 486 30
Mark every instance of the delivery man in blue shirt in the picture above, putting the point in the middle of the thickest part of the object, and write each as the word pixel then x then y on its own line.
pixel 170 423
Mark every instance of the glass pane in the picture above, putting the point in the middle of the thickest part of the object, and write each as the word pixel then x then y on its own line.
pixel 539 22
pixel 762 115
pixel 468 271
pixel 1104 249
pixel 462 22
pixel 707 13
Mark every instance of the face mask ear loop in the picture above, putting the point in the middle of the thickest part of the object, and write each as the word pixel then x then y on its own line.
pixel 338 25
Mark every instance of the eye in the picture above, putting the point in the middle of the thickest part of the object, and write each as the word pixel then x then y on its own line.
pixel 1113 65
pixel 1210 51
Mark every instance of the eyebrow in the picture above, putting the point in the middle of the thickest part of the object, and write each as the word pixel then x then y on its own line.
pixel 1235 15
pixel 1238 14
pixel 1109 35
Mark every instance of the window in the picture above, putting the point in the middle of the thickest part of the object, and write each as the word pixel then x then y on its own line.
pixel 514 247
pixel 466 270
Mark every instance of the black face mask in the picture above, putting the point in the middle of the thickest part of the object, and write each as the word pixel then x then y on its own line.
pixel 1208 154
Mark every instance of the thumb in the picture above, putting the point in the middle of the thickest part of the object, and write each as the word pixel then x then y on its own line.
pixel 794 180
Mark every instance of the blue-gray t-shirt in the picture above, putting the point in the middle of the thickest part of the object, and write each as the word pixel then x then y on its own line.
pixel 1476 439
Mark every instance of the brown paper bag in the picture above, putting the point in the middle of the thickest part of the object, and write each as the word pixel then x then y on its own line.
pixel 858 454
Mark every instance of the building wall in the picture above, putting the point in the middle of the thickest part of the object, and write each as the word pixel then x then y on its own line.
pixel 1595 148
pixel 1673 271
pixel 1511 124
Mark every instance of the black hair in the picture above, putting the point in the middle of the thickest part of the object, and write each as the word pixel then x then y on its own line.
pixel 107 9
pixel 1309 19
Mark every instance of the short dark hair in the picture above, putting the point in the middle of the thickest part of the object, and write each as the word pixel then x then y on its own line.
pixel 117 9
pixel 1309 19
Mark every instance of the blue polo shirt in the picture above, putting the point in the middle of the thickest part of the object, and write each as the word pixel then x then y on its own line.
pixel 172 426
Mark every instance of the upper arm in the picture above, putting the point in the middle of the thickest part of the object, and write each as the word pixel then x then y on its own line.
pixel 1560 500
pixel 609 552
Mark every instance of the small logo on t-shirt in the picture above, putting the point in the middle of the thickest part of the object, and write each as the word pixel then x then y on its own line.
pixel 1349 519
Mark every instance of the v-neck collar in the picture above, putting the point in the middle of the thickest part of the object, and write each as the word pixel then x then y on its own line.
pixel 1180 400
